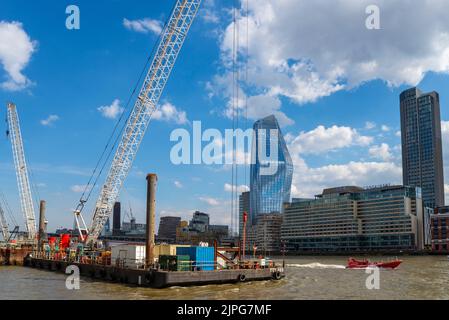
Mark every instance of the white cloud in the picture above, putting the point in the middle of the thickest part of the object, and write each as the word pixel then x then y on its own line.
pixel 321 140
pixel 381 152
pixel 308 182
pixel 370 125
pixel 78 188
pixel 229 188
pixel 144 25
pixel 50 120
pixel 385 128
pixel 208 12
pixel 112 111
pixel 306 56
pixel 178 184
pixel 445 139
pixel 398 133
pixel 253 107
pixel 446 193
pixel 210 201
pixel 168 112
pixel 16 49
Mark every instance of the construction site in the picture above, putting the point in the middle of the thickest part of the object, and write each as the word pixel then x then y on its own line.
pixel 148 264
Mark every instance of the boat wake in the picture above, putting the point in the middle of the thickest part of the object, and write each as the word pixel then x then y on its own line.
pixel 317 265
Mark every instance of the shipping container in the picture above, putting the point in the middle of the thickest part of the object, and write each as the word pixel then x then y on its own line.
pixel 202 257
pixel 166 249
pixel 128 255
pixel 168 263
pixel 183 263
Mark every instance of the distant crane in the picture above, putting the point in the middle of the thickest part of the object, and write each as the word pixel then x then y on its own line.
pixel 170 43
pixel 23 181
pixel 4 225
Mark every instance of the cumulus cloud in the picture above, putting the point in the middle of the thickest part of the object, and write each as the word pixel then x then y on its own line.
pixel 169 113
pixel 381 151
pixel 230 188
pixel 112 111
pixel 309 181
pixel 370 125
pixel 385 128
pixel 446 193
pixel 145 25
pixel 305 50
pixel 210 201
pixel 321 140
pixel 78 188
pixel 445 138
pixel 16 49
pixel 50 120
pixel 209 12
pixel 178 184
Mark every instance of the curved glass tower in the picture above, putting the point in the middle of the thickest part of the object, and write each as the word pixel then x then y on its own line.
pixel 271 169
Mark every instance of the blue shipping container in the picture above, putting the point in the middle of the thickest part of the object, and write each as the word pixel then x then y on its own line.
pixel 202 257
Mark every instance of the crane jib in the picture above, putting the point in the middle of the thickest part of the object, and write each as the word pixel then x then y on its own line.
pixel 170 44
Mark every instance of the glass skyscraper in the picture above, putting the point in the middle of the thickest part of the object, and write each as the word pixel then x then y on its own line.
pixel 271 169
pixel 422 160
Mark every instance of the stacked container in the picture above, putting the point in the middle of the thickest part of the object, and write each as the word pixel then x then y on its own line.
pixel 202 257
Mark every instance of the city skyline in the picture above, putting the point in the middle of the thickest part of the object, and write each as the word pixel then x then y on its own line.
pixel 341 129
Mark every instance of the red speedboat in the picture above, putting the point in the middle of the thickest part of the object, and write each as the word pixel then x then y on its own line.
pixel 362 264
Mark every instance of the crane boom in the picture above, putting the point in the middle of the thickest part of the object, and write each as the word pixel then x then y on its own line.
pixel 23 181
pixel 171 41
pixel 3 225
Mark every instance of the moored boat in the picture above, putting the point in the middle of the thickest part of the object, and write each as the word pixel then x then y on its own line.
pixel 362 264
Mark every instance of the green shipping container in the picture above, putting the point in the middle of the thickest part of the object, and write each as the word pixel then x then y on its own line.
pixel 183 263
pixel 168 263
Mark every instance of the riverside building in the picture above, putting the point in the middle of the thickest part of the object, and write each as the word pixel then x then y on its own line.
pixel 356 219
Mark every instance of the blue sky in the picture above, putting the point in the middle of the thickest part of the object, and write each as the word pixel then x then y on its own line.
pixel 334 89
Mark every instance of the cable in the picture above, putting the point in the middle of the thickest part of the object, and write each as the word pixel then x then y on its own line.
pixel 8 209
pixel 106 160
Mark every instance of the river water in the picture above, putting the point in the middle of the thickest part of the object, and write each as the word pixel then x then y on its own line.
pixel 420 277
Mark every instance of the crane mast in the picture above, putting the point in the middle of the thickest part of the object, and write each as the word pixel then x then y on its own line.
pixel 4 225
pixel 170 43
pixel 23 181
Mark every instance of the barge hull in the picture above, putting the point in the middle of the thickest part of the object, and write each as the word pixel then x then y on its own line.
pixel 158 278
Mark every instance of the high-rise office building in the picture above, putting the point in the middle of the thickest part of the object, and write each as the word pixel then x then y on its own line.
pixel 116 221
pixel 167 228
pixel 422 160
pixel 271 170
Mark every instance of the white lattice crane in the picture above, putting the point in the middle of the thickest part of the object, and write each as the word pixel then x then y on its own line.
pixel 170 43
pixel 23 181
pixel 4 225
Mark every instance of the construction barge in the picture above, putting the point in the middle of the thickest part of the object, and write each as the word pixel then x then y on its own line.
pixel 156 278
pixel 152 265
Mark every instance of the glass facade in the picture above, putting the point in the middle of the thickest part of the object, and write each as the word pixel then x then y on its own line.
pixel 421 144
pixel 356 219
pixel 269 190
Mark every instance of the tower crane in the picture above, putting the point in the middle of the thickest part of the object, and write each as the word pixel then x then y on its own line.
pixel 3 225
pixel 23 180
pixel 170 43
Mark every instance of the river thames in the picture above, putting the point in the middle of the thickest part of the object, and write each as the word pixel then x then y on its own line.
pixel 418 277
